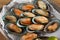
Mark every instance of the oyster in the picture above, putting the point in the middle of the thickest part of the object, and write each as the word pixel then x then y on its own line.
pixel 14 28
pixel 52 26
pixel 42 12
pixel 11 18
pixel 40 19
pixel 41 4
pixel 28 14
pixel 17 12
pixel 26 6
pixel 35 27
pixel 29 36
pixel 24 22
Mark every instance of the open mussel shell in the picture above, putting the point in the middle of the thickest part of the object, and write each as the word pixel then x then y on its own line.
pixel 23 22
pixel 28 14
pixel 40 20
pixel 35 28
pixel 52 26
pixel 40 12
pixel 30 31
pixel 41 4
pixel 9 30
pixel 19 24
pixel 28 36
pixel 26 6
pixel 16 12
pixel 10 18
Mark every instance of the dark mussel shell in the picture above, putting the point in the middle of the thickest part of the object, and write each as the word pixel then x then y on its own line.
pixel 40 20
pixel 35 27
pixel 28 36
pixel 14 30
pixel 42 38
pixel 28 14
pixel 52 26
pixel 26 6
pixel 24 22
pixel 11 18
pixel 40 12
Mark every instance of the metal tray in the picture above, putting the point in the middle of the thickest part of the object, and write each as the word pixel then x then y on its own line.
pixel 15 37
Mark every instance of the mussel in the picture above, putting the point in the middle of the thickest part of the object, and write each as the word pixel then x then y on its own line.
pixel 14 28
pixel 41 12
pixel 26 6
pixel 24 22
pixel 29 36
pixel 28 14
pixel 11 18
pixel 17 12
pixel 40 19
pixel 41 4
pixel 41 38
pixel 35 27
pixel 52 26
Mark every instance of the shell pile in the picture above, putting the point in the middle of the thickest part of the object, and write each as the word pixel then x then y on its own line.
pixel 31 18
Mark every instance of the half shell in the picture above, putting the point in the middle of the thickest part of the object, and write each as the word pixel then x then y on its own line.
pixel 28 14
pixel 17 12
pixel 14 29
pixel 41 12
pixel 24 22
pixel 26 6
pixel 52 26
pixel 41 4
pixel 40 19
pixel 28 36
pixel 11 18
pixel 35 27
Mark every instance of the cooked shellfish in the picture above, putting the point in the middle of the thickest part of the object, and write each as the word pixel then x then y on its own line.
pixel 53 27
pixel 11 18
pixel 29 36
pixel 42 5
pixel 27 7
pixel 28 14
pixel 42 12
pixel 17 12
pixel 25 21
pixel 40 19
pixel 14 28
pixel 36 27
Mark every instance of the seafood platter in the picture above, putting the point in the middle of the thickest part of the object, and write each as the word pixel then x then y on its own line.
pixel 31 20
